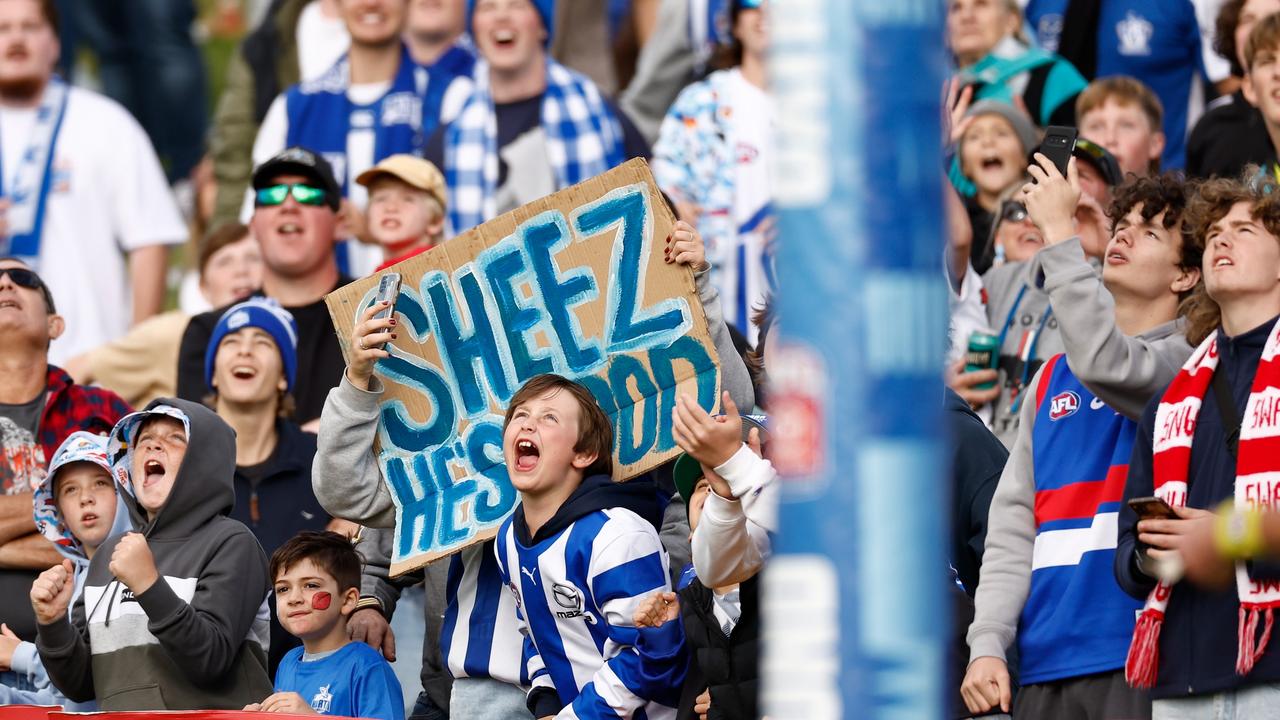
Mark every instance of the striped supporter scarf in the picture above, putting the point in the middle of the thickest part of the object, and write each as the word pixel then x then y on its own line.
pixel 1256 477
pixel 583 137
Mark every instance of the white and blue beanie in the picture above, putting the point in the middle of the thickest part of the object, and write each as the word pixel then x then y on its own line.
pixel 263 313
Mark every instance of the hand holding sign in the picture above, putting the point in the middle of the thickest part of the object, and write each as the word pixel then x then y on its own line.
pixel 685 247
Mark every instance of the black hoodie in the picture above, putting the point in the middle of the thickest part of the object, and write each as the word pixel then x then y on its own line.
pixel 196 639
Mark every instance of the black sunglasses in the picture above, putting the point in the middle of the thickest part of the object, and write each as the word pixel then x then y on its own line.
pixel 1013 211
pixel 22 277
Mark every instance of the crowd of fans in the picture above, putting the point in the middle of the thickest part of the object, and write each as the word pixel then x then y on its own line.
pixel 229 545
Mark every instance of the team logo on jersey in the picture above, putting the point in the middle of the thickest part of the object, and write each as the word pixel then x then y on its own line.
pixel 569 598
pixel 322 700
pixel 1134 33
pixel 1064 404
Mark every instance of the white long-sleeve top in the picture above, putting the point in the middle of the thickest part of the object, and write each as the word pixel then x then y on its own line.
pixel 731 541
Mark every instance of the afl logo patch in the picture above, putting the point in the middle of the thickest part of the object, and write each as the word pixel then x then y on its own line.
pixel 1064 404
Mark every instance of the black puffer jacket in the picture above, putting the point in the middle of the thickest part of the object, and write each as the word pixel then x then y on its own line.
pixel 728 666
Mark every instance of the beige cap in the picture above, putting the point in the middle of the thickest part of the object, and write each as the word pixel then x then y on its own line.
pixel 411 169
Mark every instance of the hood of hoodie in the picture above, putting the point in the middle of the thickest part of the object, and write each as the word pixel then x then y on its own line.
pixel 80 446
pixel 640 495
pixel 203 487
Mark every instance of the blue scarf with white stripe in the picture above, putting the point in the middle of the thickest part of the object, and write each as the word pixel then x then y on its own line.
pixel 584 139
pixel 321 115
pixel 27 188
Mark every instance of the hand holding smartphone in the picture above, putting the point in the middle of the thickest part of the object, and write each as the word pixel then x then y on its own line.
pixel 1152 508
pixel 1058 144
pixel 388 291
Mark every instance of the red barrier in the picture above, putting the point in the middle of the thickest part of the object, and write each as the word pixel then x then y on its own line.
pixel 55 713
pixel 28 712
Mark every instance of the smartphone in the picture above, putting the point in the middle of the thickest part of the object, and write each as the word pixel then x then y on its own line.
pixel 388 290
pixel 1058 144
pixel 1152 508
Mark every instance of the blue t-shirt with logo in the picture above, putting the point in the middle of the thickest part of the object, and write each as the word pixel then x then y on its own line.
pixel 353 681
pixel 1155 41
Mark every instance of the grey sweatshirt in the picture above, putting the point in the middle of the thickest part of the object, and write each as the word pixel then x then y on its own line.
pixel 196 639
pixel 1125 372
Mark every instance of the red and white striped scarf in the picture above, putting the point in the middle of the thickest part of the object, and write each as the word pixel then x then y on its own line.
pixel 1257 476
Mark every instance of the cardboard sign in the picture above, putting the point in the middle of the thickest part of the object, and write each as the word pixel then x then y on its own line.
pixel 574 283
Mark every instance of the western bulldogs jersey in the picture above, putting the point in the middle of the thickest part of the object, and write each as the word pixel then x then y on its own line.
pixel 1076 620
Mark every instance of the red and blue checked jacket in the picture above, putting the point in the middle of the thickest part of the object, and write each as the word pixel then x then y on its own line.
pixel 1076 621
pixel 70 407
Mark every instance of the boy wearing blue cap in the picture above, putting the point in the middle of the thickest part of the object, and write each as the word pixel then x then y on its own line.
pixel 250 368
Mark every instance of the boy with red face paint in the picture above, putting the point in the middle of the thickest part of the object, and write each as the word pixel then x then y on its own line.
pixel 317 585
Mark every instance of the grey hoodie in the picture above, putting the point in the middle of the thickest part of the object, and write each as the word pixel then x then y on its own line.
pixel 1125 372
pixel 196 639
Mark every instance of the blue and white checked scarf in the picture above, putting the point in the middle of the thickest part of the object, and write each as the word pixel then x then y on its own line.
pixel 584 139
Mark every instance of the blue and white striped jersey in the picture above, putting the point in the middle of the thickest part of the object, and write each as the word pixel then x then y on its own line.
pixel 487 642
pixel 576 591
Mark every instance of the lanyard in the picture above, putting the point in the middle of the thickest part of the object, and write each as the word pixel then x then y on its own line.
pixel 29 190
pixel 1029 349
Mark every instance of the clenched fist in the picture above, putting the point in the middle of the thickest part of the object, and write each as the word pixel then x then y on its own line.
pixel 51 593
pixel 133 564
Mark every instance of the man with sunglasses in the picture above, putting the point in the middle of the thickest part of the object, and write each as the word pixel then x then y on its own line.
pixel 40 406
pixel 295 220
pixel 375 102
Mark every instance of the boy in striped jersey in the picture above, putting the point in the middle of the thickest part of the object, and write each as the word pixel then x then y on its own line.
pixel 581 554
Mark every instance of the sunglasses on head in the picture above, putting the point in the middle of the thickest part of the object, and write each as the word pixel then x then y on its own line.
pixel 24 278
pixel 1013 211
pixel 304 194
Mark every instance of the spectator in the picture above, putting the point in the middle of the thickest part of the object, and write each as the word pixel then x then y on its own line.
pixel 1014 238
pixel 374 103
pixel 1019 313
pixel 90 193
pixel 722 624
pixel 436 35
pixel 668 61
pixel 1124 116
pixel 250 368
pixel 296 238
pixel 77 508
pixel 187 593
pixel 481 652
pixel 1198 649
pixel 406 207
pixel 992 141
pixel 977 459
pixel 510 142
pixel 317 586
pixel 40 407
pixel 558 448
pixel 1155 41
pixel 148 62
pixel 712 157
pixel 297 41
pixel 142 365
pixel 1071 621
pixel 985 37
pixel 1232 133
pixel 1262 58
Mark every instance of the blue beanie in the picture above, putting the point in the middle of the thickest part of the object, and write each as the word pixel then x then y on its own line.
pixel 259 312
pixel 545 8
